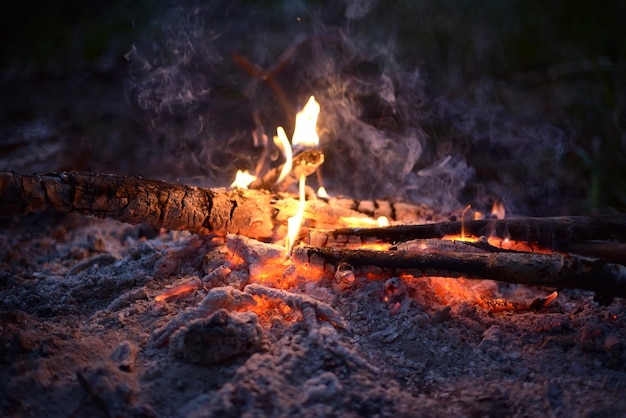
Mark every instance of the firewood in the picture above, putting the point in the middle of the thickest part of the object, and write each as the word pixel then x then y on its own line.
pixel 549 232
pixel 137 200
pixel 614 252
pixel 393 210
pixel 550 270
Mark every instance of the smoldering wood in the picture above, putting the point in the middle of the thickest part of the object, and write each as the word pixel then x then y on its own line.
pixel 549 232
pixel 305 163
pixel 549 270
pixel 137 200
pixel 393 210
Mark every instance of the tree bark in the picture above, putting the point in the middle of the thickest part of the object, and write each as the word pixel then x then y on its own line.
pixel 137 200
pixel 550 270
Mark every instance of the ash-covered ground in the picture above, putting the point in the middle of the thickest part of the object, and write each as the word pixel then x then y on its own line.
pixel 80 329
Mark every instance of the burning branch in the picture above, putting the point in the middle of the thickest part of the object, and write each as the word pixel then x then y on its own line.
pixel 557 233
pixel 550 270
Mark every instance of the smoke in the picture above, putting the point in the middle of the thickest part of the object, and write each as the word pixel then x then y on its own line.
pixel 206 76
pixel 516 161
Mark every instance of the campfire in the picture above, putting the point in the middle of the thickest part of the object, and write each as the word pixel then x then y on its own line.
pixel 271 274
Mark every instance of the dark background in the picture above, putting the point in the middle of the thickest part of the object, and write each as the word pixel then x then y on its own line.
pixel 70 88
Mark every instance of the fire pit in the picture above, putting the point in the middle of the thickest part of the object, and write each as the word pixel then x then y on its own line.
pixel 267 304
pixel 306 287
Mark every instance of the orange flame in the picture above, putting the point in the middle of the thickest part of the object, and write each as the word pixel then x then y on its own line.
pixel 497 210
pixel 305 132
pixel 295 222
pixel 242 180
pixel 304 135
pixel 282 143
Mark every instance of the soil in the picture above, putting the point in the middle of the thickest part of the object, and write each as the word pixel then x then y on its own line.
pixel 80 324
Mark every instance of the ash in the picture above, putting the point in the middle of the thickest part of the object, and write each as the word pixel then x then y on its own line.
pixel 79 326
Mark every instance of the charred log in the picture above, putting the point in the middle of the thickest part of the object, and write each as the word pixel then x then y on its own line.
pixel 550 270
pixel 137 200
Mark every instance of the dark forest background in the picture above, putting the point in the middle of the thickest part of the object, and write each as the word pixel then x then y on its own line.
pixel 67 84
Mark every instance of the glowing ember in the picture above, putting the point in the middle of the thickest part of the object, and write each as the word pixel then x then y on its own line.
pixel 178 290
pixel 305 132
pixel 502 243
pixel 242 179
pixel 363 222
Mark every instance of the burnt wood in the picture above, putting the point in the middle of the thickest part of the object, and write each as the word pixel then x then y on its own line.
pixel 137 200
pixel 550 232
pixel 561 271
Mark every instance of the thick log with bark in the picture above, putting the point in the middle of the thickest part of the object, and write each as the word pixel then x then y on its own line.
pixel 550 270
pixel 137 200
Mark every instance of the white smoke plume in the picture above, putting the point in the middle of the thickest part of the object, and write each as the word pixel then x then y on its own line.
pixel 200 79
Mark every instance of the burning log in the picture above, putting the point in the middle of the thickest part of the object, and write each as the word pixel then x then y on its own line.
pixel 556 233
pixel 546 231
pixel 137 200
pixel 550 270
pixel 393 210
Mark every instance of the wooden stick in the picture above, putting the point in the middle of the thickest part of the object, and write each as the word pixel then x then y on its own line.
pixel 549 232
pixel 137 200
pixel 611 251
pixel 551 270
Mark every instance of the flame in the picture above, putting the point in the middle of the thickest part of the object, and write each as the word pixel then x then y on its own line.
pixel 463 221
pixel 305 132
pixel 497 210
pixel 242 179
pixel 282 143
pixel 295 222
pixel 322 193
pixel 304 135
